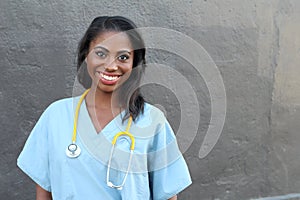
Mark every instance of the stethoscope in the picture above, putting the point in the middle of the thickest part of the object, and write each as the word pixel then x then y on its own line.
pixel 73 150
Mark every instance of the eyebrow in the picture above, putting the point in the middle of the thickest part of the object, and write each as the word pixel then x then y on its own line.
pixel 105 49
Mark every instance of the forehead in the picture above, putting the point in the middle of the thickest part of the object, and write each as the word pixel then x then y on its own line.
pixel 112 41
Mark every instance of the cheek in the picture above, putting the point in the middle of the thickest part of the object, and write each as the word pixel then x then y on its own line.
pixel 90 69
pixel 125 67
pixel 127 70
pixel 88 66
pixel 91 63
pixel 129 66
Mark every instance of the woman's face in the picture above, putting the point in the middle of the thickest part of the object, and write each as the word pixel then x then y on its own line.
pixel 110 60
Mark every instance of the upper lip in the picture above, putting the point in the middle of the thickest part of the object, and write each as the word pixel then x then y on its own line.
pixel 109 74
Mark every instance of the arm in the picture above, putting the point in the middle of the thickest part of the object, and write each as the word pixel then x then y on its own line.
pixel 173 198
pixel 42 194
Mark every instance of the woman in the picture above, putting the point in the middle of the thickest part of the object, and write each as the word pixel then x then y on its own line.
pixel 144 162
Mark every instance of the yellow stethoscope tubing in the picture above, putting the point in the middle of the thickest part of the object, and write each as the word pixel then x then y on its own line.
pixel 76 116
pixel 114 141
pixel 74 135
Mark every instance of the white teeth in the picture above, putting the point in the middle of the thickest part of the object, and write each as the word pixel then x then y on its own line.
pixel 109 78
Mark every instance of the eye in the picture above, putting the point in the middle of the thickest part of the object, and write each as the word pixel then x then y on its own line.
pixel 123 57
pixel 100 53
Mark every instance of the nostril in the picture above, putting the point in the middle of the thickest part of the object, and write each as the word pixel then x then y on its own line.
pixel 111 67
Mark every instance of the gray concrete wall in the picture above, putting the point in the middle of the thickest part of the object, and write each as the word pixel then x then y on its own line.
pixel 255 45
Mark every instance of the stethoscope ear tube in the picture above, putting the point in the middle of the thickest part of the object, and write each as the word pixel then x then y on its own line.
pixel 132 145
pixel 108 182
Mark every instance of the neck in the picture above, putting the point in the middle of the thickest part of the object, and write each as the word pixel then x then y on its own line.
pixel 102 100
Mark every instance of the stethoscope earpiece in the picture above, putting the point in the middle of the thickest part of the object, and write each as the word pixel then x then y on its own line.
pixel 110 184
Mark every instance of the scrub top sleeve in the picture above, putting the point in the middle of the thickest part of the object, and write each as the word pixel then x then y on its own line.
pixel 33 159
pixel 173 176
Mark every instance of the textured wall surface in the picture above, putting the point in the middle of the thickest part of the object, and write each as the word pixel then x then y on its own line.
pixel 254 44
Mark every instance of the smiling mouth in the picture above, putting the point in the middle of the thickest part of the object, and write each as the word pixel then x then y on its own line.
pixel 109 77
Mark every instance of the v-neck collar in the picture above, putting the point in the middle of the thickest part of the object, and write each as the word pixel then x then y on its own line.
pixel 115 122
pixel 99 145
pixel 93 140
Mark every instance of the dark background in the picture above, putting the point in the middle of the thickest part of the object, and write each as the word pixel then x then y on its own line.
pixel 255 45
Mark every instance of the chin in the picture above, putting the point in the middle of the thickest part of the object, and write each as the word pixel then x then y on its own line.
pixel 107 89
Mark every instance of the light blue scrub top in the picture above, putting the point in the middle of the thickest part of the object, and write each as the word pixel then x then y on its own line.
pixel 158 170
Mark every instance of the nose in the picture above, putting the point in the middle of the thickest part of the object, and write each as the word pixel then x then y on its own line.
pixel 111 65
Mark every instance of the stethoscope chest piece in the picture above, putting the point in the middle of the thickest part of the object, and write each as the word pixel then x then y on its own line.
pixel 73 151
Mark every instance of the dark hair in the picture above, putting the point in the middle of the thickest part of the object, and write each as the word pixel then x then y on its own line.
pixel 129 92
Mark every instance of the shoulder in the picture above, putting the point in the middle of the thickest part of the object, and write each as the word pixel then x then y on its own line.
pixel 152 119
pixel 63 103
pixel 61 106
pixel 153 111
